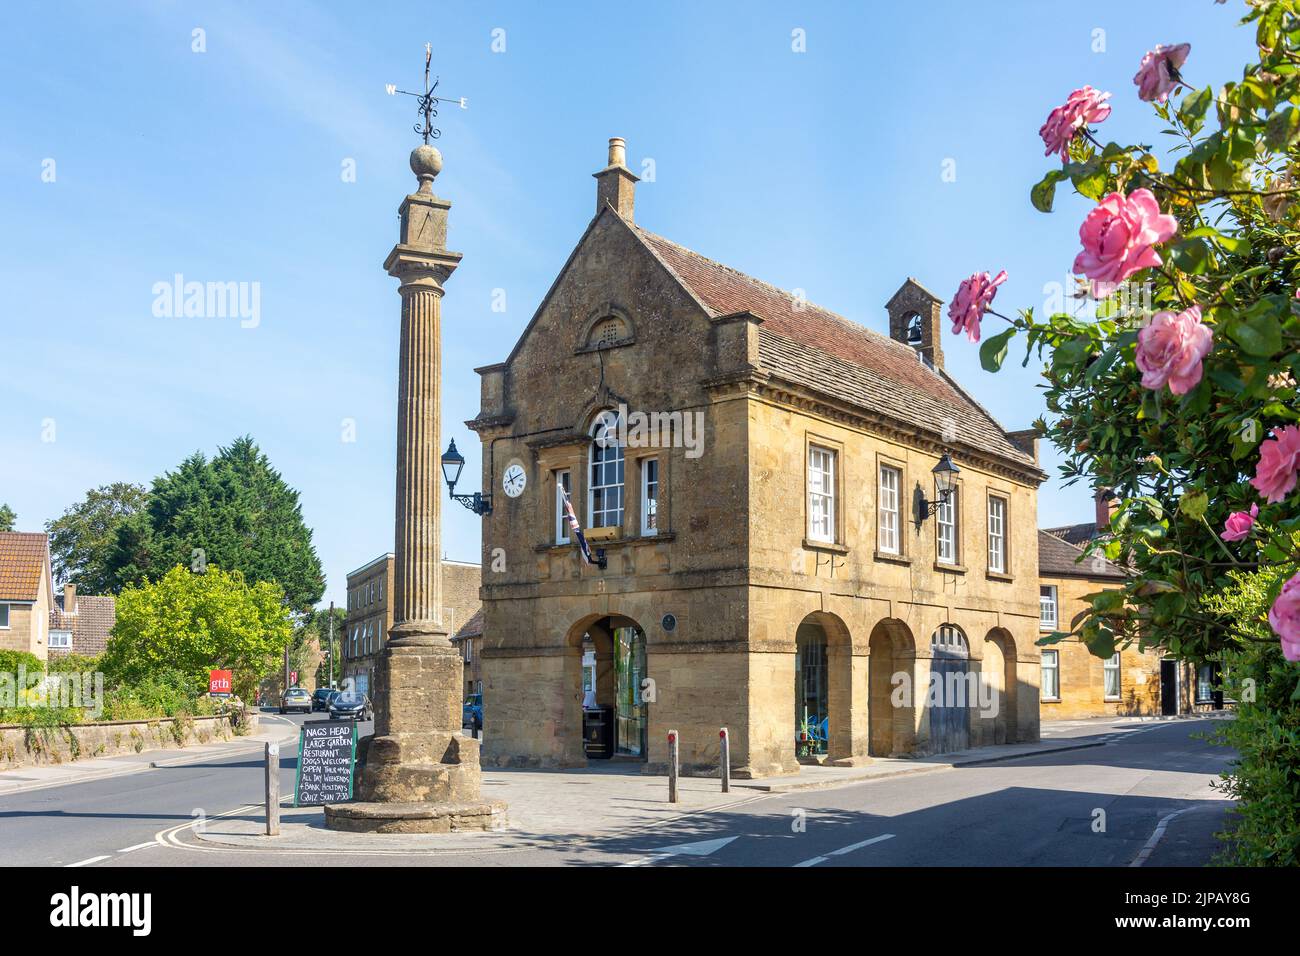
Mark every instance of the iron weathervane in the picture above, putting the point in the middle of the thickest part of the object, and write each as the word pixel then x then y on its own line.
pixel 427 101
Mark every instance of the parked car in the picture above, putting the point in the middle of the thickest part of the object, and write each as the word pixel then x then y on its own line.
pixel 321 699
pixel 295 698
pixel 351 707
pixel 471 714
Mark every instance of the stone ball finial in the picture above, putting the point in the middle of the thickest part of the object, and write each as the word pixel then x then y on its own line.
pixel 426 163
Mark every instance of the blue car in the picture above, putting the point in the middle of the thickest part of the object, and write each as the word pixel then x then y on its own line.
pixel 471 714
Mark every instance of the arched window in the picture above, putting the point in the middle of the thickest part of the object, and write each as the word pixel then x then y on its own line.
pixel 949 641
pixel 605 487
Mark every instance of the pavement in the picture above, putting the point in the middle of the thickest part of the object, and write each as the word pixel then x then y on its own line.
pixel 1092 794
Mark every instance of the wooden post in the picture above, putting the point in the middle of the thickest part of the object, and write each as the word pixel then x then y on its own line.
pixel 672 766
pixel 272 789
pixel 726 760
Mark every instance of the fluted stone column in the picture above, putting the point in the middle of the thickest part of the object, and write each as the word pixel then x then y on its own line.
pixel 417 590
pixel 421 774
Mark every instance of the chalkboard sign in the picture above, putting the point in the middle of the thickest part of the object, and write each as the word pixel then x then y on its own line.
pixel 327 753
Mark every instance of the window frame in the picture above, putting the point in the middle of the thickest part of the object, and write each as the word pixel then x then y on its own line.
pixel 1110 665
pixel 620 463
pixel 1056 607
pixel 1207 683
pixel 61 632
pixel 1002 536
pixel 952 505
pixel 648 464
pixel 563 479
pixel 882 467
pixel 828 476
pixel 8 615
pixel 1054 670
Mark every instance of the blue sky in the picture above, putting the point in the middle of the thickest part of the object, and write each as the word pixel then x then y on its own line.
pixel 820 170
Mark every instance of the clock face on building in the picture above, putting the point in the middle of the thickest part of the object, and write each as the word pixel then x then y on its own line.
pixel 513 480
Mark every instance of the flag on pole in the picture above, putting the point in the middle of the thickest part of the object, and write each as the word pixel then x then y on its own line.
pixel 574 527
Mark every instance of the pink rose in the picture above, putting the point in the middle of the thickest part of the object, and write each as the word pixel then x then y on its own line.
pixel 1157 76
pixel 1171 348
pixel 1279 458
pixel 1239 523
pixel 973 298
pixel 1082 107
pixel 1284 618
pixel 1118 236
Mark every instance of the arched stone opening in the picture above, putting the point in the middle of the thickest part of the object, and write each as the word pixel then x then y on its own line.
pixel 891 679
pixel 998 674
pixel 823 683
pixel 606 667
pixel 950 694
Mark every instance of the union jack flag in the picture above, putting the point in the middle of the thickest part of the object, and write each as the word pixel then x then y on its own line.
pixel 574 527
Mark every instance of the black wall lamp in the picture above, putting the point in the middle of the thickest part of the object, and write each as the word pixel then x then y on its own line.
pixel 945 474
pixel 452 462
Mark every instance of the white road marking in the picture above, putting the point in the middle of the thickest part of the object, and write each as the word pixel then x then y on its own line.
pixel 139 846
pixel 701 848
pixel 846 849
pixel 1146 851
pixel 93 859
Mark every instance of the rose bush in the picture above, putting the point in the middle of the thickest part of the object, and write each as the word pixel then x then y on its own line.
pixel 1173 384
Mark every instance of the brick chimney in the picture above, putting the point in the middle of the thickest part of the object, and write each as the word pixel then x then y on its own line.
pixel 69 598
pixel 915 320
pixel 616 184
pixel 1105 502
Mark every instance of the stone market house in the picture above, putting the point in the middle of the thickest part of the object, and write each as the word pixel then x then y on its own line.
pixel 26 592
pixel 768 568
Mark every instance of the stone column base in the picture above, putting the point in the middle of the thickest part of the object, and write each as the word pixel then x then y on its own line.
pixel 416 817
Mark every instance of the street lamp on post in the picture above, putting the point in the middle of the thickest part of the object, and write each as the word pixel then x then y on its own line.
pixel 945 474
pixel 452 462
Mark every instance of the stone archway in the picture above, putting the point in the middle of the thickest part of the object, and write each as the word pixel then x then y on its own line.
pixel 891 717
pixel 606 664
pixel 998 674
pixel 823 688
pixel 949 698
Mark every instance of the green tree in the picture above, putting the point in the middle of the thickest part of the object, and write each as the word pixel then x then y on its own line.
pixel 193 623
pixel 234 511
pixel 82 539
pixel 7 518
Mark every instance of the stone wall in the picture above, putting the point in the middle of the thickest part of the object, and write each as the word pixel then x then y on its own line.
pixel 22 746
pixel 460 584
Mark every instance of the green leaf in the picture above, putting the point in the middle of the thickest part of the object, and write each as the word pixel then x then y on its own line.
pixel 993 350
pixel 1044 193
pixel 1191 255
pixel 1103 363
pixel 1282 128
pixel 1090 182
pixel 1194 504
pixel 1259 335
pixel 1193 110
